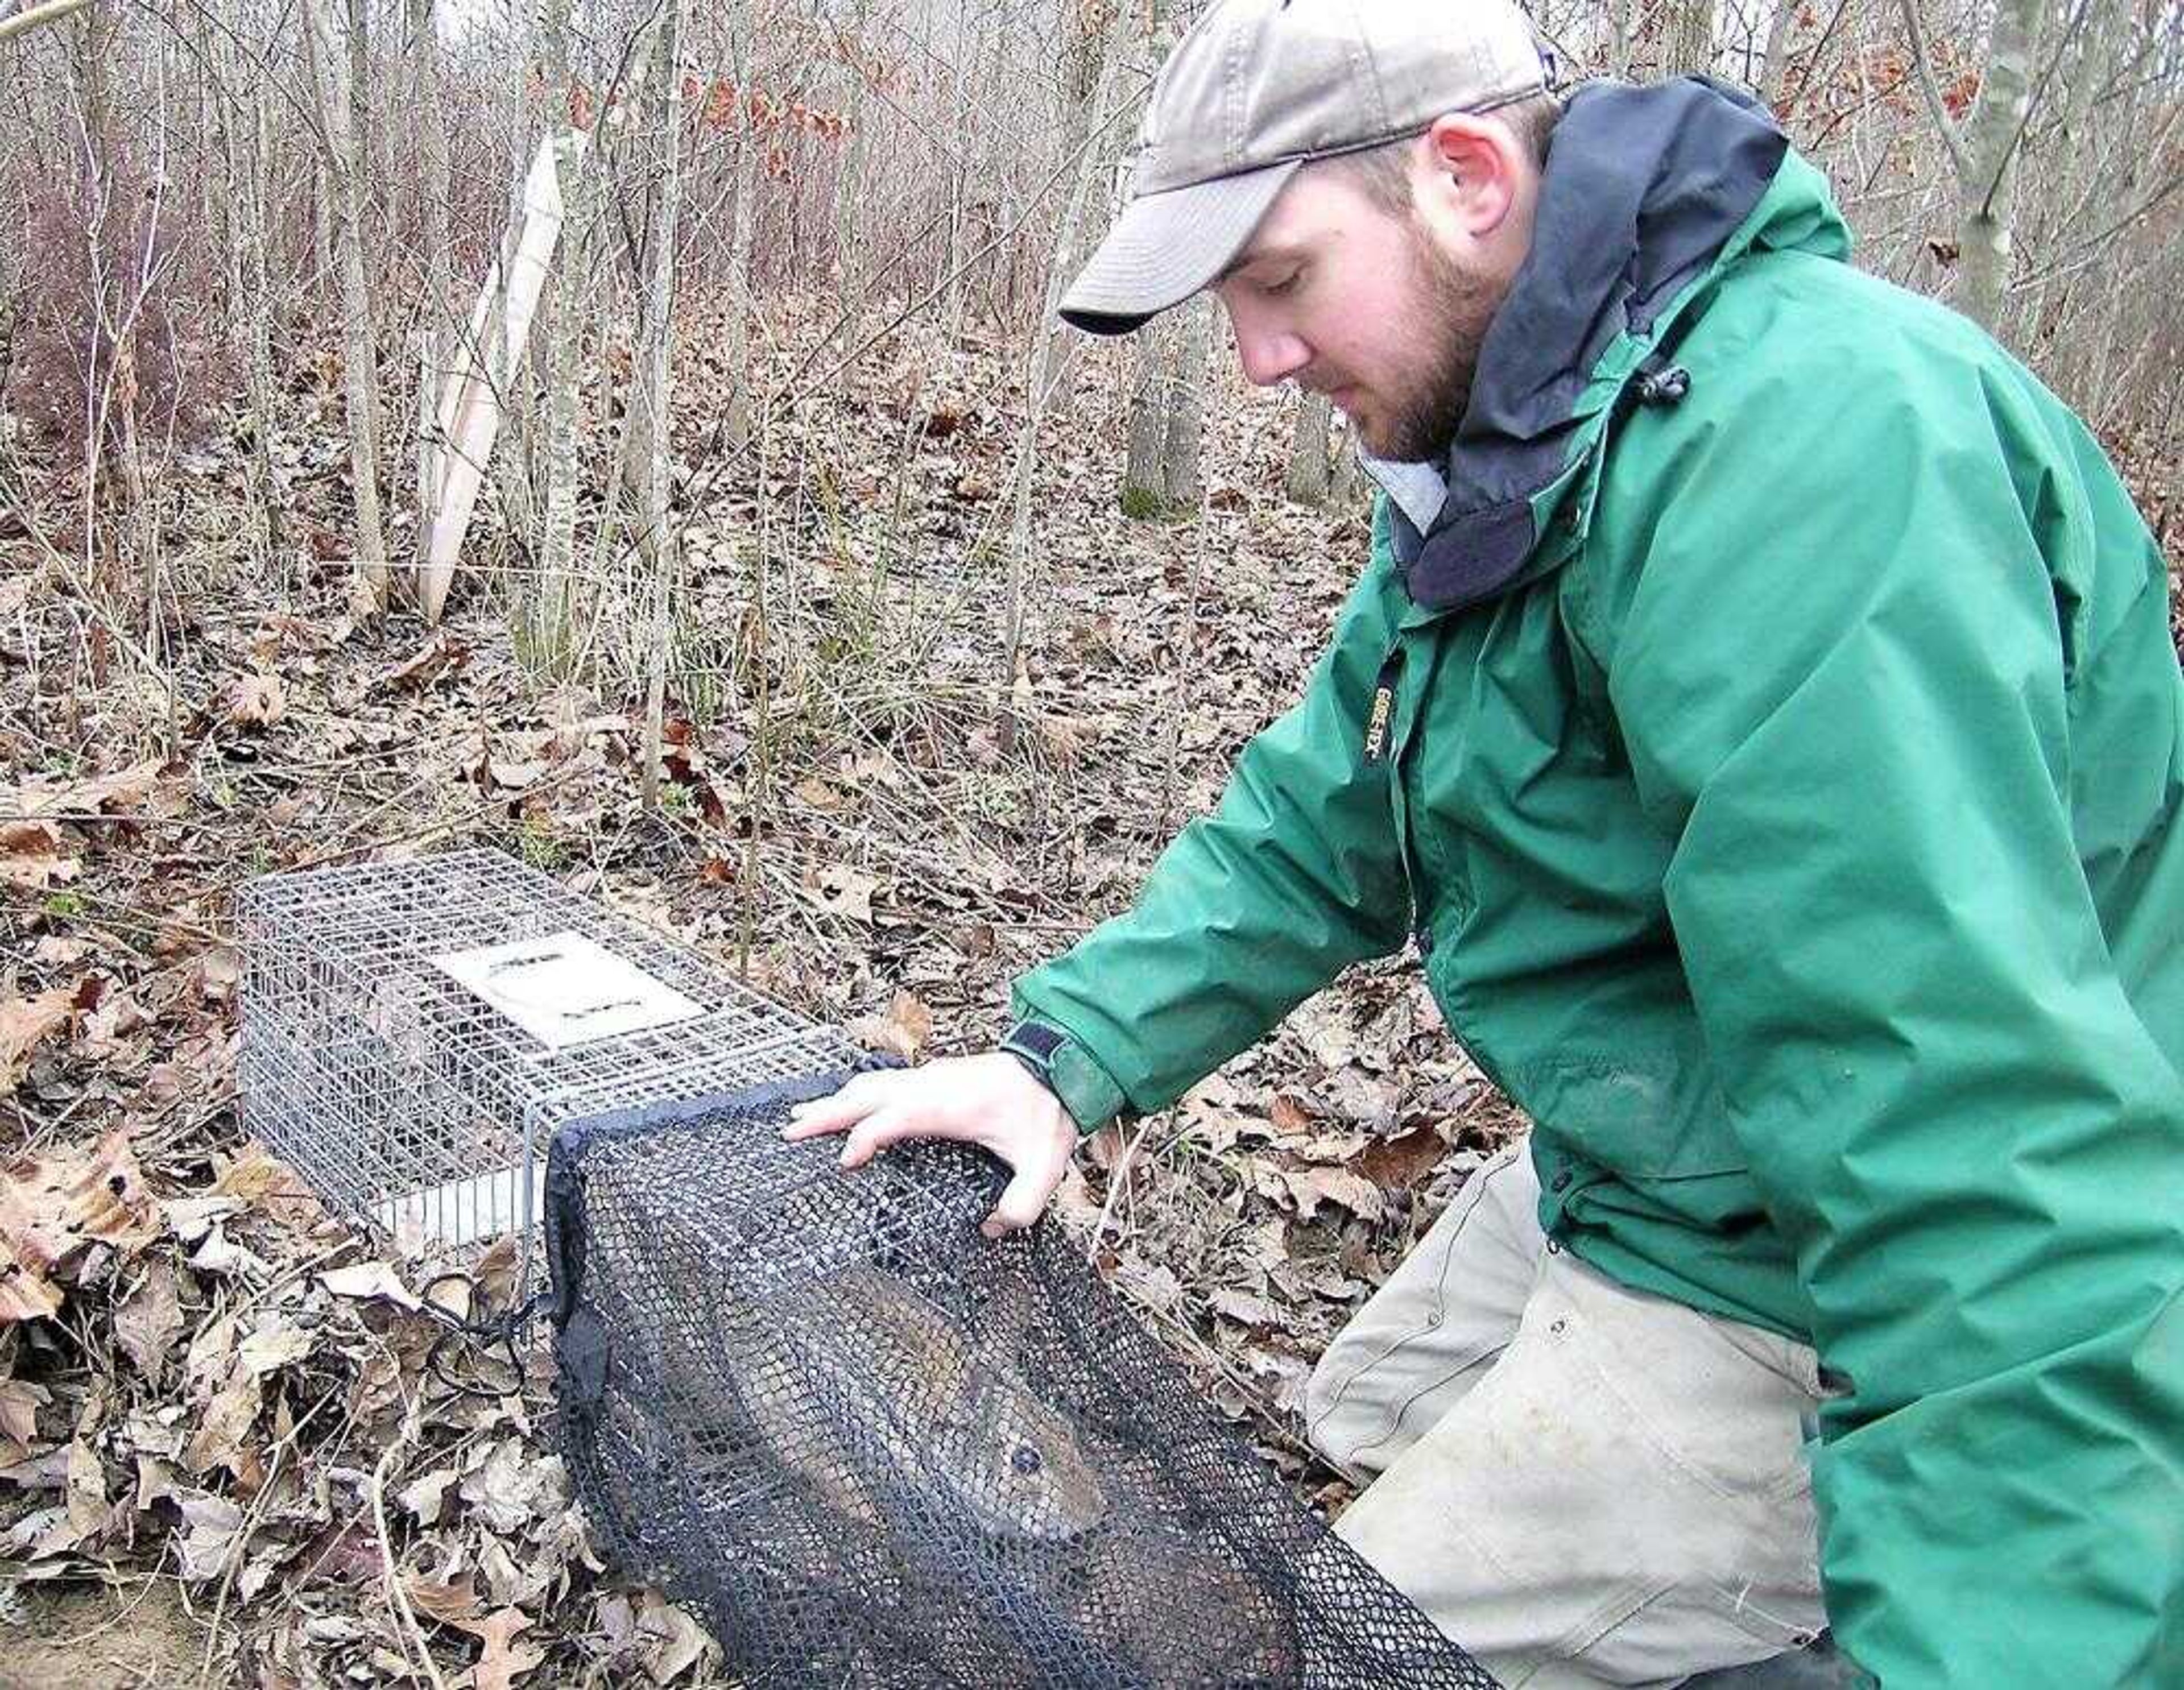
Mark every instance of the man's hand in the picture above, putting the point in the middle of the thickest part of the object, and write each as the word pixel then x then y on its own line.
pixel 989 1100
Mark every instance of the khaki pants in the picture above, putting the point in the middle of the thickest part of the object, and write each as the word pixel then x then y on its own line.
pixel 1580 1483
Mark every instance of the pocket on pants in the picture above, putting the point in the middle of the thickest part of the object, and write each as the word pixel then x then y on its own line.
pixel 1447 1311
pixel 1724 1402
pixel 1511 1522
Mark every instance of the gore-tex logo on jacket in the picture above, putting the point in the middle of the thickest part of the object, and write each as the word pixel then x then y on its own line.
pixel 1384 706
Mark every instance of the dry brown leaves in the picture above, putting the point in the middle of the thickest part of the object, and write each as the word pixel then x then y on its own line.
pixel 251 1391
pixel 42 821
pixel 904 1030
pixel 454 1602
pixel 257 700
pixel 25 1024
pixel 32 856
pixel 838 889
pixel 56 1208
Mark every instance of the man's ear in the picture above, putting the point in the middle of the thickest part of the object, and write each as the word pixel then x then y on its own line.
pixel 1472 170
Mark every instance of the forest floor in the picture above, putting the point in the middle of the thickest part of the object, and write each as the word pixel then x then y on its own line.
pixel 211 1431
pixel 223 1457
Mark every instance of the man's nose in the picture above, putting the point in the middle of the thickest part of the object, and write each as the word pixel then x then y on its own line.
pixel 1270 354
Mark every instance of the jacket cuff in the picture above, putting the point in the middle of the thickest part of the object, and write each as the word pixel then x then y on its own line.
pixel 1064 1067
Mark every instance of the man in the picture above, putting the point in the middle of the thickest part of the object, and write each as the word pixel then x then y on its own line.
pixel 1759 708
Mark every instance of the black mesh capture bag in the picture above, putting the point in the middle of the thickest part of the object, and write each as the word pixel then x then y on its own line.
pixel 870 1448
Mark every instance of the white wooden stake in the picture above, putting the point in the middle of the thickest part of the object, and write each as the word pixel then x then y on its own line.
pixel 469 407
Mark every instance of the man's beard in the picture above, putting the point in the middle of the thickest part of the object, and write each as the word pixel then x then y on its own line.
pixel 1418 421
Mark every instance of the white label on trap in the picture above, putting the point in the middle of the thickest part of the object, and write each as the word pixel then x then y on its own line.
pixel 566 989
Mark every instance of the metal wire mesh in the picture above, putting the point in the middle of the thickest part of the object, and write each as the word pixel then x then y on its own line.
pixel 871 1449
pixel 389 1055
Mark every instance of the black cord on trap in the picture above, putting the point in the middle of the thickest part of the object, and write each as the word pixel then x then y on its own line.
pixel 496 1332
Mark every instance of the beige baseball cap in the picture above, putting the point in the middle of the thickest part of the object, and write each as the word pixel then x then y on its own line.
pixel 1258 87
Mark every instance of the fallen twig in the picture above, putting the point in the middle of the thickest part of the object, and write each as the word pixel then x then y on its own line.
pixel 413 1632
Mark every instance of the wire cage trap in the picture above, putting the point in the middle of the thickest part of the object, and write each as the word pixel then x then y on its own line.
pixel 869 1447
pixel 414 1032
pixel 872 1449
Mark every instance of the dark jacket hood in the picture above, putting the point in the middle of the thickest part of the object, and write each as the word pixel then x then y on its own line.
pixel 1643 187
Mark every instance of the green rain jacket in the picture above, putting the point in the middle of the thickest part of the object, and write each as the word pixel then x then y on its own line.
pixel 1773 747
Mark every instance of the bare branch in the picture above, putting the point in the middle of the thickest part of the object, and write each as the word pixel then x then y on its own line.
pixel 1944 124
pixel 2086 243
pixel 14 23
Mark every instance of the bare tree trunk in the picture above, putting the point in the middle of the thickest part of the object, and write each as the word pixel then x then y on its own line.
pixel 959 139
pixel 1306 479
pixel 1091 68
pixel 322 220
pixel 1349 482
pixel 246 147
pixel 544 616
pixel 660 549
pixel 850 187
pixel 90 39
pixel 1989 185
pixel 217 116
pixel 269 492
pixel 359 352
pixel 2106 25
pixel 1687 43
pixel 1984 150
pixel 1002 271
pixel 436 342
pixel 11 294
pixel 1187 405
pixel 1144 469
pixel 142 279
pixel 1167 403
pixel 627 461
pixel 1045 363
pixel 1775 62
pixel 359 86
pixel 738 421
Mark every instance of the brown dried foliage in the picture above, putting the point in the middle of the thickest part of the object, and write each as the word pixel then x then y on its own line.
pixel 103 341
